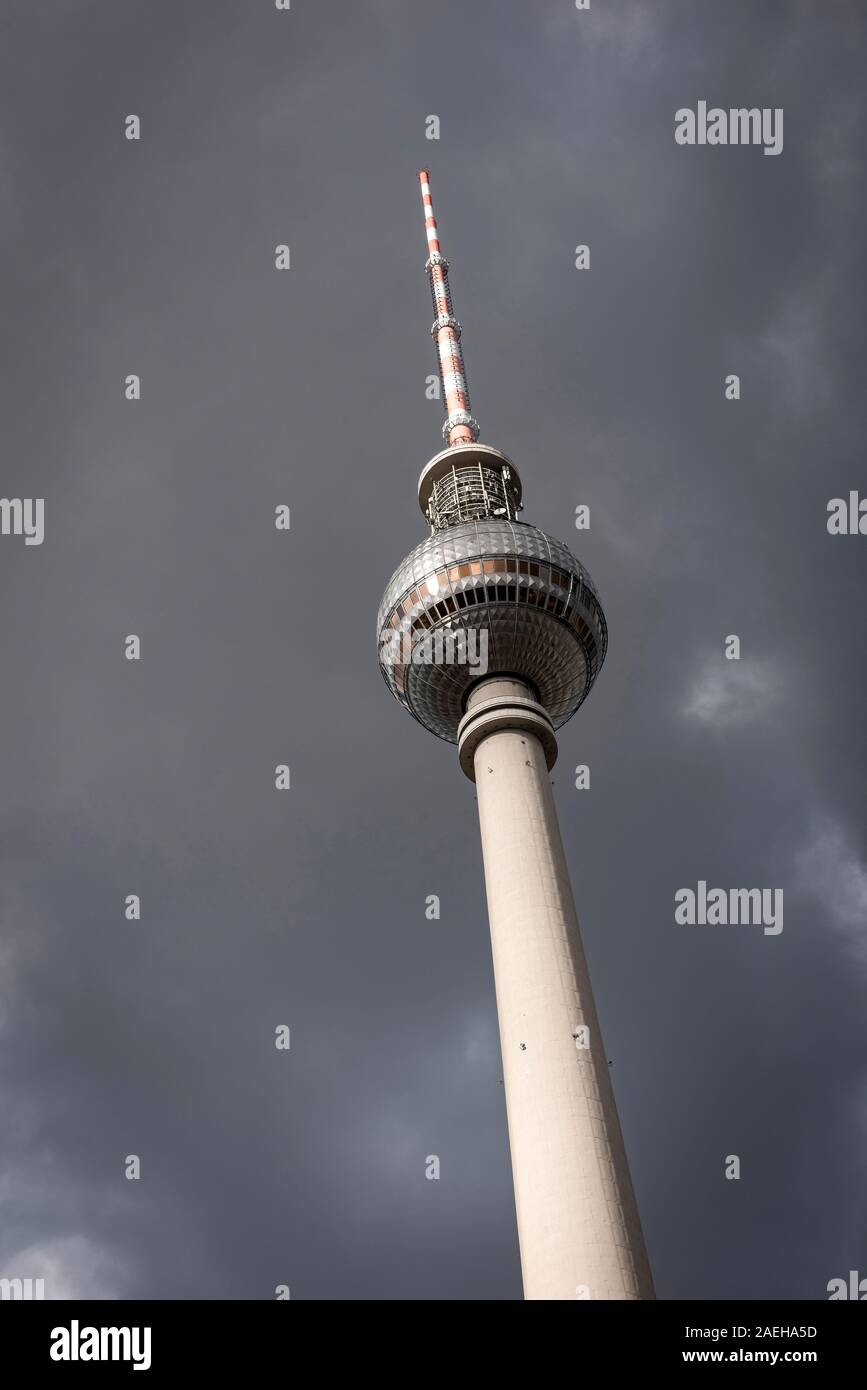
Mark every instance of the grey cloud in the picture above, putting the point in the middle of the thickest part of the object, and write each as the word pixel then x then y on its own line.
pixel 307 388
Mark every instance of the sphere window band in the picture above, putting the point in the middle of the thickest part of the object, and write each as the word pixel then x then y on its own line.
pixel 439 583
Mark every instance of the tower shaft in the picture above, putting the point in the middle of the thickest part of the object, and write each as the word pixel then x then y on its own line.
pixel 578 1225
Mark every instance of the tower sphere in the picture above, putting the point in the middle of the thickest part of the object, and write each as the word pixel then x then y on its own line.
pixel 483 596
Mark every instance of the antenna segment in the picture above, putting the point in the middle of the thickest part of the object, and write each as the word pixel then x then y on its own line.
pixel 460 427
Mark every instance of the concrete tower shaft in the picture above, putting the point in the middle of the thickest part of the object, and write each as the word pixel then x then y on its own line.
pixel 578 1224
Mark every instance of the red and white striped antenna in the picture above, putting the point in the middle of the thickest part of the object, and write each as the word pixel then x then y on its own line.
pixel 460 426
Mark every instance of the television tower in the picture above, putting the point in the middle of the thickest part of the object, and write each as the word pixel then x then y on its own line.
pixel 491 634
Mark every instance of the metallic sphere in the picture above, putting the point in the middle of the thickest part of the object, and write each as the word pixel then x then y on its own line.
pixel 486 597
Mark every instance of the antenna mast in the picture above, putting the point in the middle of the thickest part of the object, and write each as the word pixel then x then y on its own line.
pixel 460 427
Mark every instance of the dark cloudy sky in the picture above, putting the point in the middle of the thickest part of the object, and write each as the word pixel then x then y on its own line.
pixel 306 387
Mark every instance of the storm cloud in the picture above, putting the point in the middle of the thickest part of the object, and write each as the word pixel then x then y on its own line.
pixel 306 1167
